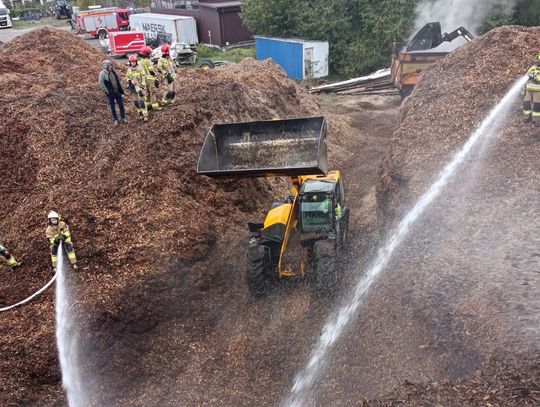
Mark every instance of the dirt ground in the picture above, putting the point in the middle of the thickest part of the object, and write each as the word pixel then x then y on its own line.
pixel 458 301
pixel 216 344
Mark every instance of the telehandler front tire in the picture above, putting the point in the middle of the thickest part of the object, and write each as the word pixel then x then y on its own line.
pixel 255 275
pixel 325 275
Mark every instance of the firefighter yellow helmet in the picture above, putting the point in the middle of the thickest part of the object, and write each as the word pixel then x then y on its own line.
pixel 538 57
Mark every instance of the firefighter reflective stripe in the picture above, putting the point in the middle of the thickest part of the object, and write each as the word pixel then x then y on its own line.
pixel 533 87
pixel 135 74
pixel 71 256
pixel 148 68
pixel 531 104
pixel 11 261
pixel 166 68
pixel 339 212
pixel 70 253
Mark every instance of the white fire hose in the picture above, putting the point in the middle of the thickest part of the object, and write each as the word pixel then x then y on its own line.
pixel 31 297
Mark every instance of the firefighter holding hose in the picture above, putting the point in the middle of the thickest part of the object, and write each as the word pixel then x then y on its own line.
pixel 137 84
pixel 531 102
pixel 8 257
pixel 152 83
pixel 167 71
pixel 58 232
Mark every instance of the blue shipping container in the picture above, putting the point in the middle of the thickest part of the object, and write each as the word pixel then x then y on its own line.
pixel 286 53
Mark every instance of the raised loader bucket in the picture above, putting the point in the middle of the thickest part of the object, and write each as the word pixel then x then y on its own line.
pixel 265 148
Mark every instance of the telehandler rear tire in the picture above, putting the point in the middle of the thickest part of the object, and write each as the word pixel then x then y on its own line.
pixel 325 275
pixel 256 271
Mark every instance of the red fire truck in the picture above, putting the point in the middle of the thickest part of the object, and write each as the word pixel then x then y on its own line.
pixel 100 22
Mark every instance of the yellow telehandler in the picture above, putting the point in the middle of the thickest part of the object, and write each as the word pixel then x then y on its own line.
pixel 306 232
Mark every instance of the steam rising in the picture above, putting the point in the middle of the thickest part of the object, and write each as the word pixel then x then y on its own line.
pixel 456 13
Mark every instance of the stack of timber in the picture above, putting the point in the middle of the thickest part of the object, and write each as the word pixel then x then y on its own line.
pixel 377 83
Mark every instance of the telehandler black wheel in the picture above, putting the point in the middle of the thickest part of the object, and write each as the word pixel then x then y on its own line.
pixel 256 270
pixel 325 275
pixel 206 64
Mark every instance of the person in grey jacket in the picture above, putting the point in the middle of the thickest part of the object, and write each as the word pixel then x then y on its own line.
pixel 110 83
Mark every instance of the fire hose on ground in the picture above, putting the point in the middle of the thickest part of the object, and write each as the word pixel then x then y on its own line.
pixel 31 297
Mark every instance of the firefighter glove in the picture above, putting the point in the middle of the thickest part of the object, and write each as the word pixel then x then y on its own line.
pixel 157 83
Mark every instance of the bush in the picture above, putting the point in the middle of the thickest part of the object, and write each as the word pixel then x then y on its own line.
pixel 17 12
pixel 230 54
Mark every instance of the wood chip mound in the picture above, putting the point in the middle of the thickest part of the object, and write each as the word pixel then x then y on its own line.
pixel 507 383
pixel 451 99
pixel 131 195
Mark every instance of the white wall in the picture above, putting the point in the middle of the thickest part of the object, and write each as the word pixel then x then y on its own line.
pixel 320 58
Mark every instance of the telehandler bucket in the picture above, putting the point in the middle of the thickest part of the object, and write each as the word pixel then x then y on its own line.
pixel 289 147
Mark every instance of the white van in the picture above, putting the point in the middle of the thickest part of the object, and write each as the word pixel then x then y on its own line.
pixel 5 19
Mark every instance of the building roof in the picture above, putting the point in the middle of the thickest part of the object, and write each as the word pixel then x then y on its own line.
pixel 224 4
pixel 160 16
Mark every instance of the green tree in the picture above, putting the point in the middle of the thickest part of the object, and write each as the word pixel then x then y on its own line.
pixel 273 17
pixel 360 32
pixel 378 25
pixel 527 13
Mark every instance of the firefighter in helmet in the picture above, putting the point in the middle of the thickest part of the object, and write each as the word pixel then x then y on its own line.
pixel 152 83
pixel 168 73
pixel 137 85
pixel 8 257
pixel 531 102
pixel 58 232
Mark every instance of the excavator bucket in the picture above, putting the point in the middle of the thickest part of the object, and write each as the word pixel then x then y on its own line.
pixel 289 147
pixel 430 36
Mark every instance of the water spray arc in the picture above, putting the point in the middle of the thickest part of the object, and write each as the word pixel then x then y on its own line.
pixel 337 322
pixel 66 337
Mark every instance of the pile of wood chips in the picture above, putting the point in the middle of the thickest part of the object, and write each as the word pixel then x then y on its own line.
pixel 499 384
pixel 130 193
pixel 453 97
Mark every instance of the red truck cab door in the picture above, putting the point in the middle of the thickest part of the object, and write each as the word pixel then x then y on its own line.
pixel 122 17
